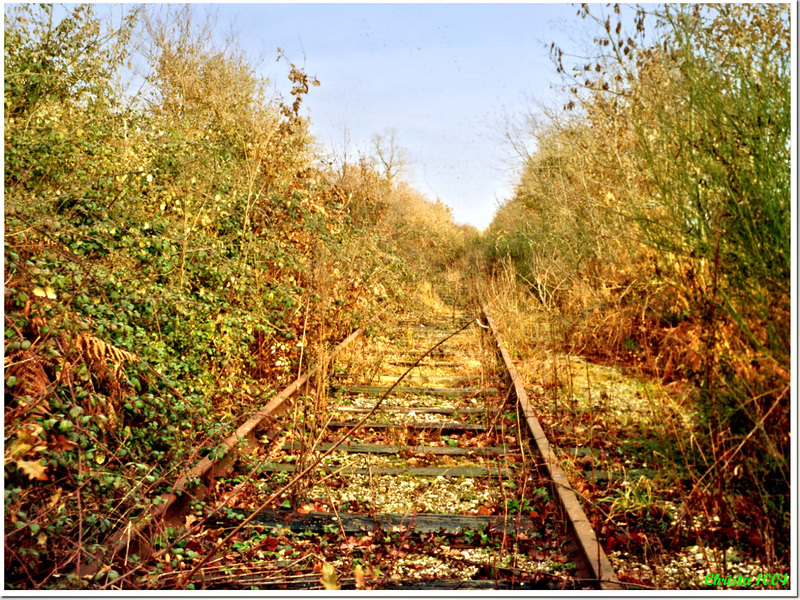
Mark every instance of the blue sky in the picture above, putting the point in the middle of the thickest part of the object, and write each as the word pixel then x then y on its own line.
pixel 443 76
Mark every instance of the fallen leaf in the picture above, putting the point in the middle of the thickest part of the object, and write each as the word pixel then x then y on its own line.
pixel 45 292
pixel 62 444
pixel 17 448
pixel 54 500
pixel 271 544
pixel 329 579
pixel 358 575
pixel 27 440
pixel 33 469
pixel 102 571
pixel 304 510
pixel 638 538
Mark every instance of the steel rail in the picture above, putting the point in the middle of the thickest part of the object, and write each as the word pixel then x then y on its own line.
pixel 172 508
pixel 195 483
pixel 577 521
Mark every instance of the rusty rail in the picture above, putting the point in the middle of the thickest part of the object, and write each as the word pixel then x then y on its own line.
pixel 579 525
pixel 134 537
pixel 194 484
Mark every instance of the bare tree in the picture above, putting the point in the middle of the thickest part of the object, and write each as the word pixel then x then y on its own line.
pixel 390 157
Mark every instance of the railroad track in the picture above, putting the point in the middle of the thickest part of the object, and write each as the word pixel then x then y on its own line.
pixel 412 461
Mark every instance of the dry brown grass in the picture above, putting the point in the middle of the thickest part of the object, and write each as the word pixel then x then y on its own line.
pixel 570 357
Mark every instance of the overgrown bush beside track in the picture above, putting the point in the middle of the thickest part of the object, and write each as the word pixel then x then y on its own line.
pixel 652 221
pixel 172 258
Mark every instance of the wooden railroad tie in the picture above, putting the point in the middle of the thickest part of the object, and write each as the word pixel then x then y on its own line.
pixel 375 390
pixel 321 522
pixel 355 448
pixel 476 472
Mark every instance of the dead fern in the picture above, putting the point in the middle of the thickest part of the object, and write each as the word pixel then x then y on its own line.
pixel 32 380
pixel 97 353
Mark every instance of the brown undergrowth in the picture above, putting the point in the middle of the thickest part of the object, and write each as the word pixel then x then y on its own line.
pixel 617 389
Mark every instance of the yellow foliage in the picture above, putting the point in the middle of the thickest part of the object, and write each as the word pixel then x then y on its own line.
pixel 358 575
pixel 330 579
pixel 27 443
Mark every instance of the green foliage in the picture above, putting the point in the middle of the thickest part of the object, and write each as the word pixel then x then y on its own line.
pixel 168 257
pixel 723 197
pixel 722 207
pixel 53 59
